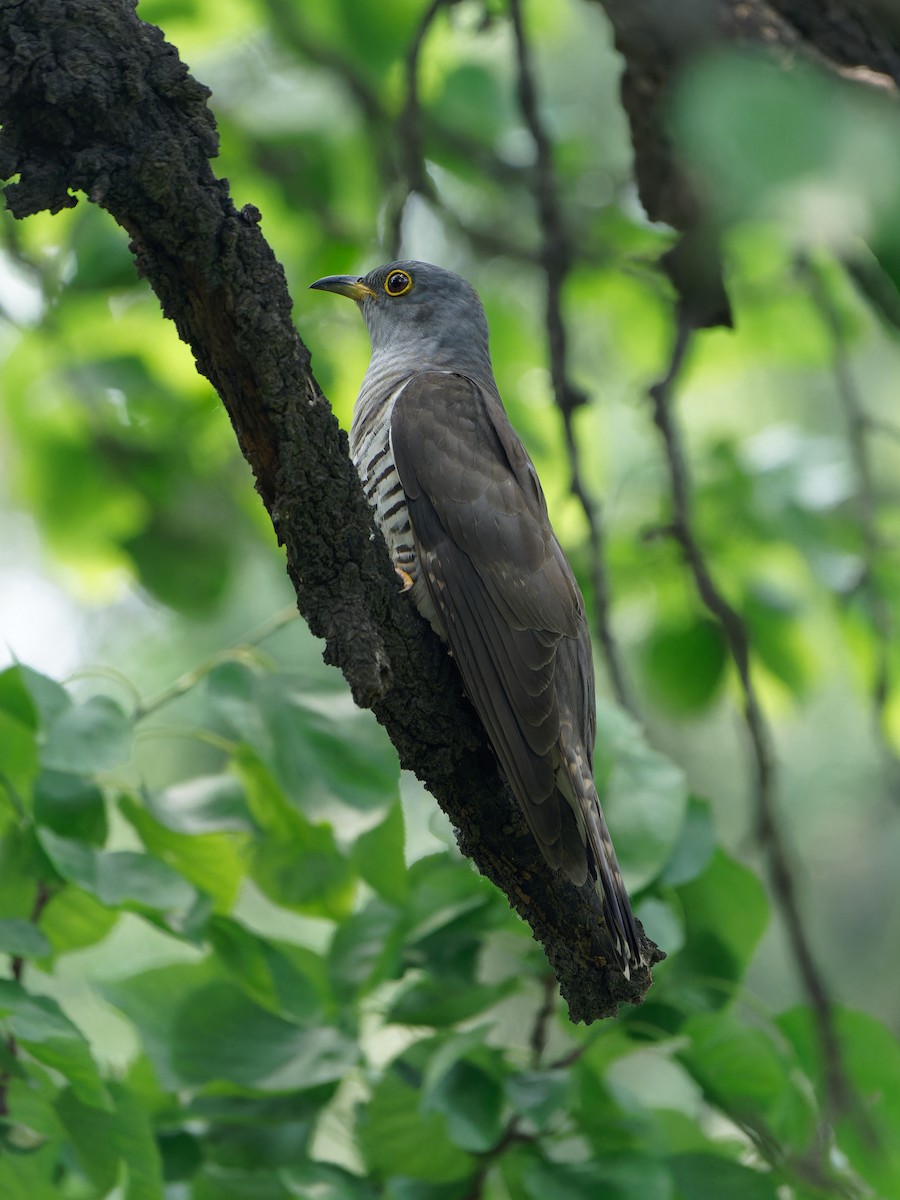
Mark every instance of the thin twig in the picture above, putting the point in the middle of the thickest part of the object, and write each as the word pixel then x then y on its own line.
pixel 286 19
pixel 509 1137
pixel 512 1132
pixel 185 683
pixel 859 425
pixel 541 1029
pixel 768 831
pixel 409 134
pixel 556 259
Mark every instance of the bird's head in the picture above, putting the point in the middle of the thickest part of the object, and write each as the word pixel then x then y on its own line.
pixel 419 312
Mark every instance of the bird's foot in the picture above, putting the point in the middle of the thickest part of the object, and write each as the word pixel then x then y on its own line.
pixel 407 579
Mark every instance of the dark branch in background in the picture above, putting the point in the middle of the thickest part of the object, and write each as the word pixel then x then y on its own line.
pixel 513 1133
pixel 413 180
pixel 287 21
pixel 409 130
pixel 556 259
pixel 863 33
pixel 768 829
pixel 856 39
pixel 397 170
pixel 859 426
pixel 132 132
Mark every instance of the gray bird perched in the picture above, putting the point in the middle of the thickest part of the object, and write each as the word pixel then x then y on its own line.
pixel 461 509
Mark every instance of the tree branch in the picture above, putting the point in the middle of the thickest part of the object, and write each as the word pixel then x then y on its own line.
pixel 768 826
pixel 556 259
pixel 659 41
pixel 94 100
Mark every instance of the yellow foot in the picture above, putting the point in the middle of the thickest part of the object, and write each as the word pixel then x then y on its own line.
pixel 408 580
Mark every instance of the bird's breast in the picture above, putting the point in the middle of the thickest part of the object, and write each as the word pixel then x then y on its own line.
pixel 373 457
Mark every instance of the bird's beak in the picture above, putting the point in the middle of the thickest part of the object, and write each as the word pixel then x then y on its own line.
pixel 344 285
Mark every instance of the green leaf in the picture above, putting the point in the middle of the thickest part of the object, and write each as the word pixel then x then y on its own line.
pixel 364 950
pixel 213 1182
pixel 137 1146
pixel 726 913
pixel 151 999
pixel 728 111
pixel 207 804
pixel 644 797
pixel 181 1154
pixel 87 738
pixel 18 733
pixel 245 1131
pixel 447 891
pixel 183 559
pixel 324 1181
pixel 233 697
pixel 18 758
pixel 220 1034
pixel 29 1176
pixel 472 1102
pixel 91 1133
pixel 16 700
pixel 777 638
pixel 539 1095
pixel 871 1057
pixel 71 806
pixel 696 843
pixel 746 1072
pixel 711 1177
pixel 73 919
pixel 22 865
pixel 294 863
pixel 397 1138
pixel 430 1001
pixel 419 1189
pixel 289 980
pixel 472 100
pixel 213 862
pixel 39 1024
pixel 268 805
pixel 662 923
pixel 119 878
pixel 328 745
pixel 616 1177
pixel 104 1141
pixel 684 665
pixel 307 873
pixel 315 746
pixel 22 939
pixel 378 857
pixel 49 697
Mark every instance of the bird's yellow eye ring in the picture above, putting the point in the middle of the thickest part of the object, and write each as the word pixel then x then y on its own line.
pixel 397 283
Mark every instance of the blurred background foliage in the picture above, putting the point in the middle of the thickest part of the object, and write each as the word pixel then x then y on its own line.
pixel 243 957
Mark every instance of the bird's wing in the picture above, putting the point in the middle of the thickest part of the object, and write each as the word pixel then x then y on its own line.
pixel 496 574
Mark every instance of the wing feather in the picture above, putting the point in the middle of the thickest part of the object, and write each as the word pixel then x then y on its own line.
pixel 501 586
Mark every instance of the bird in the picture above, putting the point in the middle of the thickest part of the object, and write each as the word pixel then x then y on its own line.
pixel 465 520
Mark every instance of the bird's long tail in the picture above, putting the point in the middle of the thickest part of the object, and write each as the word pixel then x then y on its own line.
pixel 603 865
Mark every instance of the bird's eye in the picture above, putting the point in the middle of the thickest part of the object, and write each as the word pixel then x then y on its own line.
pixel 397 283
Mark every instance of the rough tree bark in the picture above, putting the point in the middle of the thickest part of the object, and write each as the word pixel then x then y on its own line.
pixel 659 41
pixel 94 101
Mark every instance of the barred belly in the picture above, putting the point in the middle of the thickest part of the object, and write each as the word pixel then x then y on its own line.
pixel 370 448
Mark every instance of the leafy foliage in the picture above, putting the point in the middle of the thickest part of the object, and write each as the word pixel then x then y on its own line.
pixel 242 957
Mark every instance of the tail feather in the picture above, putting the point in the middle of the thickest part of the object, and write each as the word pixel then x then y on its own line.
pixel 602 863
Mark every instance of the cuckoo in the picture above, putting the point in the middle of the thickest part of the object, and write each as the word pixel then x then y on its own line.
pixel 464 517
